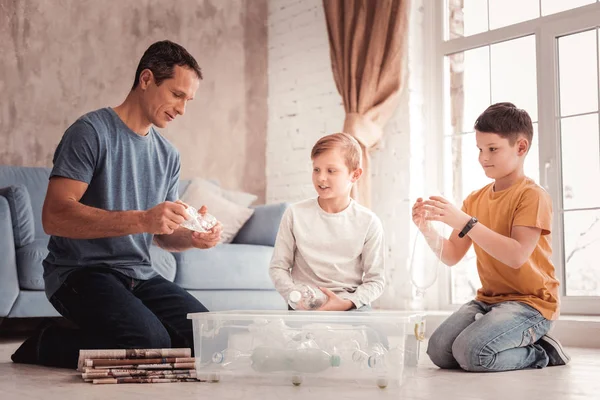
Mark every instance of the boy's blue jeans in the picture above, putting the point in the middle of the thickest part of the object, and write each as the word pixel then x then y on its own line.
pixel 503 339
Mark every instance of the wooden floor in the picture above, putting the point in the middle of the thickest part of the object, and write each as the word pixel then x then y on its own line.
pixel 579 380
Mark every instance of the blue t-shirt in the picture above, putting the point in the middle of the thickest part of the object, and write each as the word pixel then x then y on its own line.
pixel 124 171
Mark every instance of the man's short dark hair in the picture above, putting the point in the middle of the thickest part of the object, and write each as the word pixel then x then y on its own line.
pixel 506 120
pixel 161 58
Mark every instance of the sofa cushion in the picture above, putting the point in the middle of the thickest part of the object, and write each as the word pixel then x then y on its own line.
pixel 226 266
pixel 21 213
pixel 31 270
pixel 263 225
pixel 243 199
pixel 29 264
pixel 9 280
pixel 35 180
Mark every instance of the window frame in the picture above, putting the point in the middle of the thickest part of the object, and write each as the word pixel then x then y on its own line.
pixel 546 30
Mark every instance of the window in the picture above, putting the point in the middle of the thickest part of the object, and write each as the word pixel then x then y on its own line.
pixel 543 56
pixel 580 160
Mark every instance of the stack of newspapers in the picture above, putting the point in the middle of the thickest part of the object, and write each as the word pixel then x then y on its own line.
pixel 137 366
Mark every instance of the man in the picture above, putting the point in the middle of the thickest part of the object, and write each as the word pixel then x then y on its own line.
pixel 113 190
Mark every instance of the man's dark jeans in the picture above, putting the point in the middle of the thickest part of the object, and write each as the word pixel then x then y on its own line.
pixel 114 311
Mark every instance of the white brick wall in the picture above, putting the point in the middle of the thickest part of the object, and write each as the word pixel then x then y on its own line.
pixel 304 105
pixel 303 101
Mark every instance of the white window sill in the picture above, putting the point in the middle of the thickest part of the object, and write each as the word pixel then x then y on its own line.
pixel 571 330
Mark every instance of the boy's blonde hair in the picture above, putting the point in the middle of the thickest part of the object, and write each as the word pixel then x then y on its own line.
pixel 346 143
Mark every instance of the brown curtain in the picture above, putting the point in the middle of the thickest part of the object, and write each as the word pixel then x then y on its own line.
pixel 367 40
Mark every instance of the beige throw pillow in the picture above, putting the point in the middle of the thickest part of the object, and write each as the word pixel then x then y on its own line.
pixel 238 197
pixel 231 215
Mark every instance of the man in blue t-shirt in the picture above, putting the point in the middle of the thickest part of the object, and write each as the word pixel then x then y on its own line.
pixel 112 192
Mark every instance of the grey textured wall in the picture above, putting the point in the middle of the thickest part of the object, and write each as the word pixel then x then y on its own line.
pixel 62 58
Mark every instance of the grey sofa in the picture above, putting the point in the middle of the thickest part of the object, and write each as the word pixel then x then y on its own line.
pixel 227 277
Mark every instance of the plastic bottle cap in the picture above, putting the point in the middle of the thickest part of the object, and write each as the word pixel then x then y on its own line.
pixel 295 296
pixel 218 357
pixel 335 360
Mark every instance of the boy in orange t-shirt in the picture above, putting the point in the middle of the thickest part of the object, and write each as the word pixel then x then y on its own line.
pixel 509 222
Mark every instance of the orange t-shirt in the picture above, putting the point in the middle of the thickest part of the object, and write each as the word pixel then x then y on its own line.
pixel 522 204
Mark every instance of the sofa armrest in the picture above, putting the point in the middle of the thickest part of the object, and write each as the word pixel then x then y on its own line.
pixel 9 281
pixel 21 214
pixel 261 229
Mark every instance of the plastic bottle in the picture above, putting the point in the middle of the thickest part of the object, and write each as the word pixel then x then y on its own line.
pixel 306 297
pixel 425 262
pixel 198 222
pixel 307 360
pixel 373 358
pixel 230 359
pixel 226 356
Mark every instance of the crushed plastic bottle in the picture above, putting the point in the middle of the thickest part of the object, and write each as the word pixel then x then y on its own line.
pixel 425 259
pixel 306 297
pixel 374 357
pixel 198 222
pixel 273 332
pixel 307 360
pixel 230 359
pixel 226 356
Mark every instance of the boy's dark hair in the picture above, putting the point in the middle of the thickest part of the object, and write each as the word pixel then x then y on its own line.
pixel 506 120
pixel 161 58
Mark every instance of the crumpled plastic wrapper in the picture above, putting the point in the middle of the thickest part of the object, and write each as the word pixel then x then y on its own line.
pixel 198 222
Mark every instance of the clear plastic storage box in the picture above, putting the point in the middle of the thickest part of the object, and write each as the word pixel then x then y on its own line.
pixel 381 347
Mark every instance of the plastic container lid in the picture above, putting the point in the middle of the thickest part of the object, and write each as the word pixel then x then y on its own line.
pixel 295 296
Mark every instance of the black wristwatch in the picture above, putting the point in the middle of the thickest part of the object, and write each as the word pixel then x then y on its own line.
pixel 468 227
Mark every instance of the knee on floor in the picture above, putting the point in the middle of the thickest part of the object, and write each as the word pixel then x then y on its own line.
pixel 440 352
pixel 469 356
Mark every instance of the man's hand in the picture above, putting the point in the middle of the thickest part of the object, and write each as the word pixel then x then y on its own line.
pixel 334 303
pixel 208 239
pixel 440 209
pixel 164 218
pixel 182 238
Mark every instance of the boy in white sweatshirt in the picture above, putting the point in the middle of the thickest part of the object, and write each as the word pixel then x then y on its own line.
pixel 332 242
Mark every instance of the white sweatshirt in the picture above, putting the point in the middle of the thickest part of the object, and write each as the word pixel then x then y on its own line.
pixel 343 252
